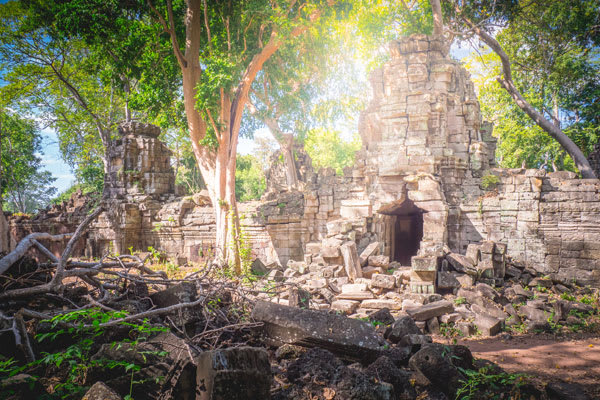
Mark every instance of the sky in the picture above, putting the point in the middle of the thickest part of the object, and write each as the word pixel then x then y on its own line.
pixel 52 161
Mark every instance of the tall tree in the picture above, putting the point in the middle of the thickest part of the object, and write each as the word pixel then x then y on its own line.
pixel 24 186
pixel 546 32
pixel 226 45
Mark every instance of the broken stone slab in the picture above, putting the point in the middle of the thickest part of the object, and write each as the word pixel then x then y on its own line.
pixel 427 311
pixel 487 325
pixel 446 280
pixel 403 326
pixel 461 263
pixel 383 281
pixel 379 261
pixel 471 296
pixel 345 306
pixel 485 269
pixel 541 282
pixel 364 295
pixel 184 292
pixel 423 263
pixel 298 297
pixel 369 271
pixel 258 267
pixel 381 303
pixel 276 276
pixel 490 309
pixel 382 315
pixel 242 373
pixel 473 253
pixel 99 391
pixel 351 261
pixel 450 318
pixel 534 314
pixel 487 291
pixel 371 250
pixel 349 338
pixel 433 325
pixel 433 362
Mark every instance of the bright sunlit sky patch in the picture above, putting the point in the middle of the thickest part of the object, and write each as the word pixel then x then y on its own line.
pixel 52 161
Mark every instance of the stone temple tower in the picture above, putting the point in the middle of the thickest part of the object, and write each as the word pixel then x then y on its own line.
pixel 422 137
pixel 139 180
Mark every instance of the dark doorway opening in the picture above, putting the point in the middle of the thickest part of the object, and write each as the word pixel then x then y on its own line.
pixel 405 230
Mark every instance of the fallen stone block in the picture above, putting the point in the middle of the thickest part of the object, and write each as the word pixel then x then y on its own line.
pixel 427 311
pixel 276 276
pixel 371 250
pixel 369 271
pixel 487 291
pixel 433 325
pixel 466 328
pixel 414 340
pixel 384 369
pixel 533 314
pixel 242 373
pixel 349 338
pixel 433 362
pixel 473 253
pixel 379 261
pixel 461 263
pixel 471 296
pixel 488 325
pixel 419 263
pixel 381 303
pixel 351 261
pixel 99 391
pixel 383 281
pixel 446 280
pixel 383 315
pixel 345 306
pixel 258 267
pixel 401 327
pixel 298 298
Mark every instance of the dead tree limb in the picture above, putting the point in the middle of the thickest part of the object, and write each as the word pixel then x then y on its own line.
pixel 45 251
pixel 59 274
pixel 25 244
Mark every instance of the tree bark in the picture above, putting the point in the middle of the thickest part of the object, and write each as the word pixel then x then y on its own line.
pixel 554 131
pixel 286 144
pixel 438 22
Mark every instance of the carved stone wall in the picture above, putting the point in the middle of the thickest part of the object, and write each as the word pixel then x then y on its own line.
pixel 426 157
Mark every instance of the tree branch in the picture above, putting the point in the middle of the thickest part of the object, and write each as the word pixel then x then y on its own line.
pixel 507 83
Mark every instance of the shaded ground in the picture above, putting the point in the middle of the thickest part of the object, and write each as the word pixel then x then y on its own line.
pixel 572 358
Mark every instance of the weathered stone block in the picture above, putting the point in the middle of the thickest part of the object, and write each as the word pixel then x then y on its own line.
pixel 239 373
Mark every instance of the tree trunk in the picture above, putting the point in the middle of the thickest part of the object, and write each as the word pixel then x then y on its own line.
pixel 286 144
pixel 507 83
pixel 438 21
pixel 287 149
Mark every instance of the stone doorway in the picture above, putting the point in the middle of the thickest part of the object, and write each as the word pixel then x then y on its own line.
pixel 404 230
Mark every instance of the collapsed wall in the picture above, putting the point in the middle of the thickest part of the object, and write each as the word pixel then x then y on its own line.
pixel 424 184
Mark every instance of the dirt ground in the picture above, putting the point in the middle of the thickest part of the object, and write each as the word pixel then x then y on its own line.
pixel 571 358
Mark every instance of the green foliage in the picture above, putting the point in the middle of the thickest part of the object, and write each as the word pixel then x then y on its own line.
pixel 84 328
pixel 24 186
pixel 250 182
pixel 554 58
pixel 485 383
pixel 328 150
pixel 489 181
pixel 460 300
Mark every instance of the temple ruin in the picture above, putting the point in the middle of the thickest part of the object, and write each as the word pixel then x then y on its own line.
pixel 424 185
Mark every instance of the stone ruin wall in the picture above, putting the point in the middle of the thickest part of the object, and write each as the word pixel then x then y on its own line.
pixel 423 141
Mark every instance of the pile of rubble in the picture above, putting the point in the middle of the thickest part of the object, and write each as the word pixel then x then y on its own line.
pixel 481 292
